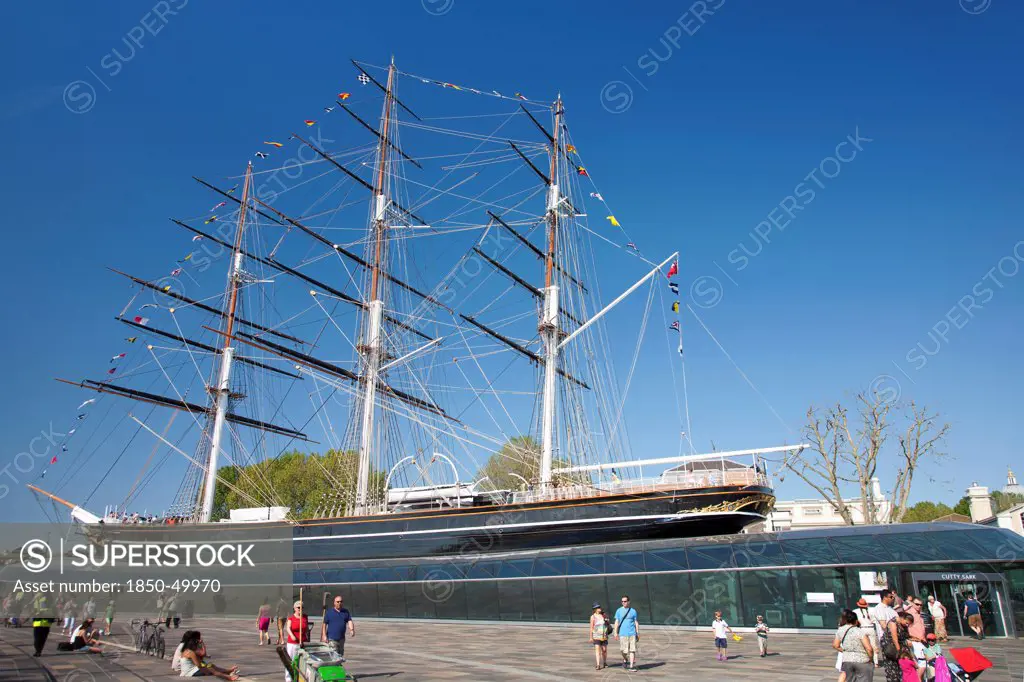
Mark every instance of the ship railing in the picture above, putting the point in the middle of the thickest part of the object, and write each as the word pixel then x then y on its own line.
pixel 670 481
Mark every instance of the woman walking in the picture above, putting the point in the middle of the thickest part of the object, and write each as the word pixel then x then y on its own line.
pixel 854 646
pixel 598 633
pixel 263 623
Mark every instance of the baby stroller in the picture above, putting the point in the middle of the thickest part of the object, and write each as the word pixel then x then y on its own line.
pixel 967 664
pixel 315 663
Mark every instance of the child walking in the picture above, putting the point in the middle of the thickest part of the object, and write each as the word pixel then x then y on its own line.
pixel 761 628
pixel 599 627
pixel 720 628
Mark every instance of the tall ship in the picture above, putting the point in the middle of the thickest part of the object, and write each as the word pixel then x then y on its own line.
pixel 420 326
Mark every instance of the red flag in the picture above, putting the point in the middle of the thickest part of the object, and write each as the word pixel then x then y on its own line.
pixel 673 269
pixel 111 370
pixel 54 460
pixel 310 122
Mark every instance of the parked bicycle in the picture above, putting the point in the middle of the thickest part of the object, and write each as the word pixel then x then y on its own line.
pixel 148 638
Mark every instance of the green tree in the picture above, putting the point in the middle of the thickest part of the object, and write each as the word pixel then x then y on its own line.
pixel 963 507
pixel 520 457
pixel 926 511
pixel 305 483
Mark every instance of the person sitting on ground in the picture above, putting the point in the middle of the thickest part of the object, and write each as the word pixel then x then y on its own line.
pixel 85 639
pixel 176 659
pixel 193 651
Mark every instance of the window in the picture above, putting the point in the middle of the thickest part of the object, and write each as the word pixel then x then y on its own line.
pixel 812 511
pixel 515 600
pixel 755 550
pixel 449 600
pixel 672 601
pixel 582 593
pixel 420 597
pixel 809 551
pixel 820 596
pixel 361 600
pixel 769 594
pixel 710 556
pixel 853 549
pixel 551 600
pixel 718 591
pixel 482 600
pixel 666 560
pixel 392 600
pixel 636 587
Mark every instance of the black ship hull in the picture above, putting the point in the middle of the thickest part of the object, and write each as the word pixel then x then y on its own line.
pixel 540 525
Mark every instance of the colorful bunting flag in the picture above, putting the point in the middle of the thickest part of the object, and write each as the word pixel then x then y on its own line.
pixel 673 269
pixel 363 78
pixel 582 171
pixel 90 401
pixel 63 448
pixel 223 203
pixel 497 93
pixel 343 96
pixel 674 287
pixel 138 319
pixel 274 144
pixel 132 339
pixel 81 416
pixel 148 305
pixel 328 110
pixel 570 148
pixel 675 306
pixel 309 122
pixel 520 95
pixel 597 195
pixel 111 370
pixel 615 223
pixel 231 191
pixel 118 356
pixel 187 258
pixel 175 272
pixel 54 460
pixel 211 219
pixel 674 325
pixel 631 246
pixel 166 288
pixel 261 155
pixel 197 237
pixel 72 431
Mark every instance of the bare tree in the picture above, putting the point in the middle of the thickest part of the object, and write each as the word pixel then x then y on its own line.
pixel 844 456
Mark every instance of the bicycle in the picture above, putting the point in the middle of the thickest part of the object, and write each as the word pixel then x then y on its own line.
pixel 136 626
pixel 149 638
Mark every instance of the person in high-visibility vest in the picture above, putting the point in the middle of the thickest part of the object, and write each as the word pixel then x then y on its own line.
pixel 41 622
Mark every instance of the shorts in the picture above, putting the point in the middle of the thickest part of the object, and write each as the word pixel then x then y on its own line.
pixel 974 620
pixel 627 644
pixel 338 645
pixel 721 643
pixel 599 642
pixel 264 624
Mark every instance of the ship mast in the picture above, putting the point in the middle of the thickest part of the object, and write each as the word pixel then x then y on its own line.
pixel 222 390
pixel 549 315
pixel 372 347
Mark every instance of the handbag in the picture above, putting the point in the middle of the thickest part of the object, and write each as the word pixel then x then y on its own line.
pixel 889 649
pixel 839 656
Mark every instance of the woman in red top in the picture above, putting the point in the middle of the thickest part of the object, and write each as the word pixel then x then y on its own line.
pixel 298 634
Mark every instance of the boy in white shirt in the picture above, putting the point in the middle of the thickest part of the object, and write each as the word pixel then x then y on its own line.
pixel 720 628
pixel 762 636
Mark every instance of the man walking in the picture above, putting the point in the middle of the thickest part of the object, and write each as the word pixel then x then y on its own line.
pixel 972 612
pixel 627 632
pixel 337 623
pixel 938 612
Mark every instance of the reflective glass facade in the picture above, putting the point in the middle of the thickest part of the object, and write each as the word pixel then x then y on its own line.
pixel 798 579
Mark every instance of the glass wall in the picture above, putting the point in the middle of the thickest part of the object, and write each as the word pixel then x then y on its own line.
pixel 796 579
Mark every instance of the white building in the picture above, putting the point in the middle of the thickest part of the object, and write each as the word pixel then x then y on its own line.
pixel 802 514
pixel 983 513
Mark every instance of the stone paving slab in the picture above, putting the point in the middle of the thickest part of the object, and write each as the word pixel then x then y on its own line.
pixel 411 651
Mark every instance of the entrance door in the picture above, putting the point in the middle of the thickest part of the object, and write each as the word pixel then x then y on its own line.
pixel 952 594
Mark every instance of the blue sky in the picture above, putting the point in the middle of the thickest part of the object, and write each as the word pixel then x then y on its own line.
pixel 742 106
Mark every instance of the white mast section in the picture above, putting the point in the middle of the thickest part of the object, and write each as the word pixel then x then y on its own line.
pixel 222 391
pixel 373 349
pixel 549 316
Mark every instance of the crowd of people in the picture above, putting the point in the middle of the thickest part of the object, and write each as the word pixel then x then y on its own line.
pixel 125 518
pixel 901 637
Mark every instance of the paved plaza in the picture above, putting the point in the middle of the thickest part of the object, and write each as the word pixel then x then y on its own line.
pixel 407 651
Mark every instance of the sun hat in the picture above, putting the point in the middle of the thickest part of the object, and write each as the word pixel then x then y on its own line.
pixel 596 606
pixel 862 602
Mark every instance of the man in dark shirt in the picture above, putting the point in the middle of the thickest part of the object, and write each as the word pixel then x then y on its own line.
pixel 337 624
pixel 972 612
